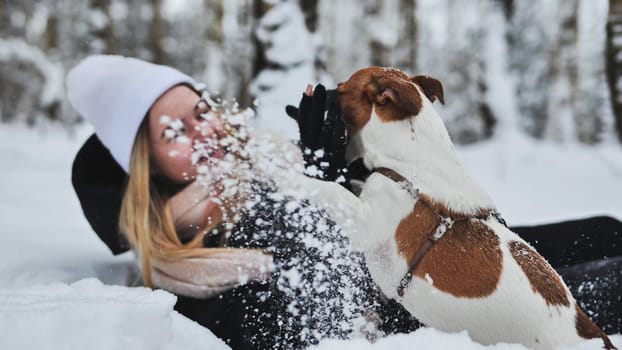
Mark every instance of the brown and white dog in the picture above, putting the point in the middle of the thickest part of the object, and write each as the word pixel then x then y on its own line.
pixel 430 235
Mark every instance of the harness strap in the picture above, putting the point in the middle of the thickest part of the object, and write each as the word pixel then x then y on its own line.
pixel 399 179
pixel 445 223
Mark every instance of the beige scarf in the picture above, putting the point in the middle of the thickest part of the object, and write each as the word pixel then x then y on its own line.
pixel 212 275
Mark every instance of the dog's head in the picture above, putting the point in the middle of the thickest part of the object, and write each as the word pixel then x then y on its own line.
pixel 387 95
pixel 390 92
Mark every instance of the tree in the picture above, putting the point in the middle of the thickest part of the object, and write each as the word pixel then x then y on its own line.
pixel 562 76
pixel 529 38
pixel 451 40
pixel 102 29
pixel 593 115
pixel 557 51
pixel 287 49
pixel 614 60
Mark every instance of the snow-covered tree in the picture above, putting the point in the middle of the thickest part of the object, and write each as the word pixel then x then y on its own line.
pixel 544 59
pixel 289 50
pixel 593 117
pixel 529 39
pixel 614 60
pixel 555 50
pixel 562 75
pixel 451 44
pixel 357 34
pixel 32 85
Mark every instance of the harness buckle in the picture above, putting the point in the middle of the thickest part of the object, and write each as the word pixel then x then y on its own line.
pixel 404 282
pixel 445 223
pixel 495 214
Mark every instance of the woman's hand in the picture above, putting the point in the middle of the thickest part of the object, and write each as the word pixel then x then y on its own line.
pixel 323 135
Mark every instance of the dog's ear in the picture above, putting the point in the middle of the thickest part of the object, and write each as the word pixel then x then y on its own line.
pixel 401 93
pixel 431 87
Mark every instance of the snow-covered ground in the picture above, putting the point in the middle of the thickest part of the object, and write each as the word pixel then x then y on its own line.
pixel 51 263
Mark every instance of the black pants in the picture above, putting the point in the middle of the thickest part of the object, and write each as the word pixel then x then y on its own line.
pixel 227 315
pixel 587 253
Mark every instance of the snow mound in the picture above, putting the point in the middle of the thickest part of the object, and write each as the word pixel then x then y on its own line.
pixel 430 338
pixel 90 315
pixel 423 338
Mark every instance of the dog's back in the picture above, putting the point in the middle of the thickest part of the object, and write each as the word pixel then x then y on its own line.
pixel 483 278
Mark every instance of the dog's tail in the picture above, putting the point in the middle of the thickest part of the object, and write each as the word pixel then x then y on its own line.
pixel 589 330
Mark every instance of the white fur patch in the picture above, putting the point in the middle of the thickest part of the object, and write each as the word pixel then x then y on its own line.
pixel 425 157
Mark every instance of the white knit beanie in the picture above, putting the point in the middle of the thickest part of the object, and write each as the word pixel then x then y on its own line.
pixel 114 93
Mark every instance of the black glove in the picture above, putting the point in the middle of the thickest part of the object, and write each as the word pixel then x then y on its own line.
pixel 323 136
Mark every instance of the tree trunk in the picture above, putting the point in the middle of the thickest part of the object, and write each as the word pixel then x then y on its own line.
pixel 309 8
pixel 105 34
pixel 614 61
pixel 407 42
pixel 156 34
pixel 259 61
pixel 559 124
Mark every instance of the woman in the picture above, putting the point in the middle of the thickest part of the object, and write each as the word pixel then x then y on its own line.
pixel 286 286
pixel 263 276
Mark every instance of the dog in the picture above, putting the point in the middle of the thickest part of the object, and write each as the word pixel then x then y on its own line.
pixel 431 237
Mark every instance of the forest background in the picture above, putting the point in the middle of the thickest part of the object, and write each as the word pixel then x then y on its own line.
pixel 549 69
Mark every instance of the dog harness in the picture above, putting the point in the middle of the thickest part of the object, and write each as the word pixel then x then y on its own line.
pixel 444 222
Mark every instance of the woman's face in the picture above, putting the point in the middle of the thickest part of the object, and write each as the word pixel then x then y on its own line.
pixel 176 129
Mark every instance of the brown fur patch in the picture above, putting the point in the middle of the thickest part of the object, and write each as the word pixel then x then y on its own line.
pixel 466 262
pixel 588 330
pixel 431 87
pixel 396 98
pixel 543 279
pixel 391 91
pixel 355 108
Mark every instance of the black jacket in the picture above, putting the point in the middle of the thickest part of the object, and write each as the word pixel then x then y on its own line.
pixel 259 315
pixel 99 182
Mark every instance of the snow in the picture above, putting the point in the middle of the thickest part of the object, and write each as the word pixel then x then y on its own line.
pixel 51 265
pixel 180 10
pixel 84 314
pixel 535 182
pixel 424 338
pixel 429 338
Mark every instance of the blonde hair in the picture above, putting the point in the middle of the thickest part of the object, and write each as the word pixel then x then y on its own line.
pixel 146 220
